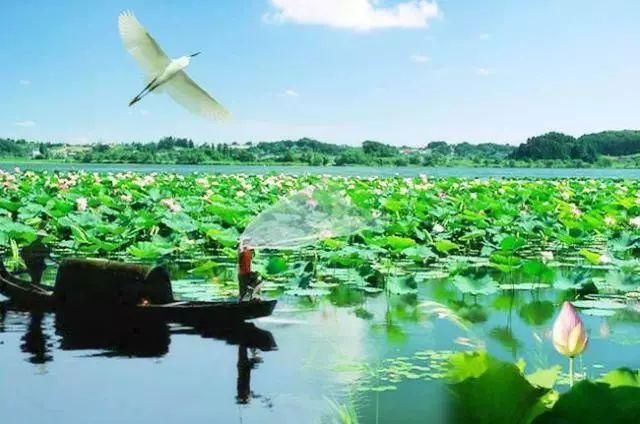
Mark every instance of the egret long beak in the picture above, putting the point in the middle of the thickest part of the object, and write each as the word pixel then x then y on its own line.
pixel 195 54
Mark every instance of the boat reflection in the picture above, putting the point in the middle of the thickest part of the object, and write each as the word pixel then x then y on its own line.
pixel 136 337
pixel 35 341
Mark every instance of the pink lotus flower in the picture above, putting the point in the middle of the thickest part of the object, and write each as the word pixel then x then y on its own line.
pixel 172 205
pixel 569 335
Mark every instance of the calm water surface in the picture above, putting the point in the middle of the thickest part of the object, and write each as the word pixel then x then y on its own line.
pixel 285 368
pixel 382 354
pixel 362 171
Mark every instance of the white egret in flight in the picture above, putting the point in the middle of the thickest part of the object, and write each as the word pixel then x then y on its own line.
pixel 166 74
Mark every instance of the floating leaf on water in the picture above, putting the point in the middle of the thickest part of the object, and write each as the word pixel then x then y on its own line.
pixel 434 274
pixel 622 377
pixel 313 292
pixel 445 246
pixel 419 253
pixel 524 286
pixel 598 304
pixel 371 290
pixel 545 378
pixel 598 312
pixel 401 284
pixel 477 286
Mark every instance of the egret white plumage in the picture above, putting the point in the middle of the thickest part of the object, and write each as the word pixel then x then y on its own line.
pixel 165 74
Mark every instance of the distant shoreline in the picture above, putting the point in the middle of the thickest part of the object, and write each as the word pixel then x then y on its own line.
pixel 607 149
pixel 461 164
pixel 337 171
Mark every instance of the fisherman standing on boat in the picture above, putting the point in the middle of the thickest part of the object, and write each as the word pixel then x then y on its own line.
pixel 248 281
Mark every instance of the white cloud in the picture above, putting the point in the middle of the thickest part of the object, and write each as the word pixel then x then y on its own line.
pixel 484 72
pixel 24 82
pixel 419 58
pixel 354 14
pixel 484 36
pixel 291 93
pixel 24 124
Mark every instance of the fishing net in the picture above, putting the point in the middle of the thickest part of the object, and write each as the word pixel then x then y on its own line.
pixel 302 219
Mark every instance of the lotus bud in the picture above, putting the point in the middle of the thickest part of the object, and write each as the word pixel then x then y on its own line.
pixel 569 335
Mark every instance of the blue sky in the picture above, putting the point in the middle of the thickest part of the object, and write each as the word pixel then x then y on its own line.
pixel 402 72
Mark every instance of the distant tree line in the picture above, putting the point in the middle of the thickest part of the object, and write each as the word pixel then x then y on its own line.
pixel 588 148
pixel 608 148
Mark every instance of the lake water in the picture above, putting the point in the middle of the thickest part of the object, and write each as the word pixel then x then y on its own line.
pixel 381 354
pixel 361 171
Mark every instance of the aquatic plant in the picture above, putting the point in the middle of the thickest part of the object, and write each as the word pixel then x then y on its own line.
pixel 455 227
pixel 486 390
pixel 569 334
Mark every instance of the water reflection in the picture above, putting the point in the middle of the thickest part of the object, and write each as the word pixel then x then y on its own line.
pixel 117 335
pixel 136 337
pixel 35 341
pixel 384 354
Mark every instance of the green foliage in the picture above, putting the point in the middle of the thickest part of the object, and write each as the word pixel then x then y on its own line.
pixel 551 150
pixel 148 217
pixel 489 391
pixel 587 148
pixel 486 390
pixel 594 402
pixel 483 285
pixel 277 265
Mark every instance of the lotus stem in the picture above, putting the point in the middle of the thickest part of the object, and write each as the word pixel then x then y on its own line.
pixel 571 371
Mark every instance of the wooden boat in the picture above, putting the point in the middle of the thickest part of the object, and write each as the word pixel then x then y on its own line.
pixel 37 297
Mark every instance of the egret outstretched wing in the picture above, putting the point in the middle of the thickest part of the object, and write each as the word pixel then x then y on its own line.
pixel 141 45
pixel 187 93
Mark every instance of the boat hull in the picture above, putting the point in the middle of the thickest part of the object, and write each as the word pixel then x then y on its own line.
pixel 31 297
